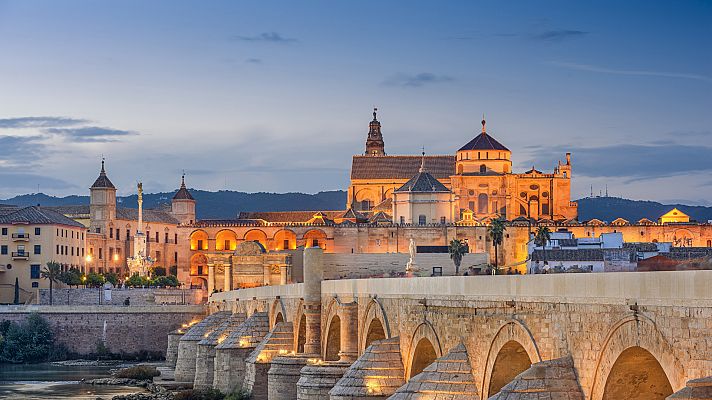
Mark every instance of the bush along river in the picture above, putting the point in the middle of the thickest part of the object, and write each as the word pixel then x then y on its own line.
pixel 61 380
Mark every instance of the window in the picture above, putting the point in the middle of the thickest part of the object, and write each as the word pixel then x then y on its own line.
pixel 402 220
pixel 442 220
pixel 118 231
pixel 175 238
pixel 148 236
pixel 315 242
pixel 128 234
pixel 35 271
pixel 111 253
pixel 483 169
pixel 57 249
pixel 72 251
pixel 4 231
pixel 175 256
pixel 82 251
pixel 100 253
pixel 200 270
pixel 3 249
pixel 365 205
pixel 200 244
pixel 38 249
pixel 158 256
pixel 98 230
pixel 226 245
pixel 35 284
pixel 57 231
pixel 82 235
pixel 156 237
pixel 482 206
pixel 421 219
pixel 165 239
pixel 37 231
pixel 285 244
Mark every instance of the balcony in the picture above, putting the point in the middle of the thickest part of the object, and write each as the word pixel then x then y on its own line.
pixel 20 237
pixel 20 255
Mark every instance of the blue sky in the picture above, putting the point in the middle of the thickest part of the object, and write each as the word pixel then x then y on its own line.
pixel 276 96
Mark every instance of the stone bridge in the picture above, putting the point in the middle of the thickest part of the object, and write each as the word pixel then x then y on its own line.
pixel 566 336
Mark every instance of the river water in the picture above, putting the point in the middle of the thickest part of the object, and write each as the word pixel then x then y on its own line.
pixel 52 381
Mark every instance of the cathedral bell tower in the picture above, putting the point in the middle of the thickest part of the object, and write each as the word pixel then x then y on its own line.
pixel 374 142
pixel 183 205
pixel 102 203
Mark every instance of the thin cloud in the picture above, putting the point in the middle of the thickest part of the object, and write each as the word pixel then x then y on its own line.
pixel 40 122
pixel 267 37
pixel 603 70
pixel 90 134
pixel 253 61
pixel 559 35
pixel 417 80
pixel 20 181
pixel 630 161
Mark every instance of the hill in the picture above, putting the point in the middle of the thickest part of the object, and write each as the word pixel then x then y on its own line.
pixel 227 204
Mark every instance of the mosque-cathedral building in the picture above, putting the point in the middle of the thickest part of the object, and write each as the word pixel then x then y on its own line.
pixel 391 200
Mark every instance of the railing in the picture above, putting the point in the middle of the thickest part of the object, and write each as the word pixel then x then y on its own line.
pixel 20 255
pixel 21 237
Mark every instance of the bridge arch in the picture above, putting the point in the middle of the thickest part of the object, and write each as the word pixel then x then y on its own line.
pixel 635 339
pixel 512 350
pixel 330 331
pixel 374 325
pixel 424 349
pixel 277 313
pixel 300 328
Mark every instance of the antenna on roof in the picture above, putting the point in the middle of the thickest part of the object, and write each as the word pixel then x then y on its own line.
pixel 606 190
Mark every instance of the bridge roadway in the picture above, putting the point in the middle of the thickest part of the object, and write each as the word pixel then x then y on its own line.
pixel 565 336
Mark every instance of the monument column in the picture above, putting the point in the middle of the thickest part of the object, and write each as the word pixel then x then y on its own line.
pixel 313 275
pixel 211 279
pixel 283 275
pixel 349 332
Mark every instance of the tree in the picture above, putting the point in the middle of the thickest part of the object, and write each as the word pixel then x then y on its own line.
pixel 137 281
pixel 457 249
pixel 16 299
pixel 73 277
pixel 496 232
pixel 94 280
pixel 111 278
pixel 27 342
pixel 159 271
pixel 52 272
pixel 541 238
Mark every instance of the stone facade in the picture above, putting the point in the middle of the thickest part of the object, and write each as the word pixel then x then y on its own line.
pixel 205 356
pixel 121 329
pixel 137 297
pixel 188 345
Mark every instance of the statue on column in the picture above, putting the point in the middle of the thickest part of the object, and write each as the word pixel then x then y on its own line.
pixel 411 267
pixel 140 263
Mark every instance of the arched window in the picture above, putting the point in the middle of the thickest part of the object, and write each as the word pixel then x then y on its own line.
pixel 483 169
pixel 459 169
pixel 421 219
pixel 709 243
pixel 482 206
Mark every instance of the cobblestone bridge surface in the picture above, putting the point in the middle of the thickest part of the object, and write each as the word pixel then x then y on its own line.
pixel 568 336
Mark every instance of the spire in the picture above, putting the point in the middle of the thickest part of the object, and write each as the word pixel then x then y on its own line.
pixel 182 180
pixel 183 193
pixel 375 110
pixel 103 172
pixel 422 161
pixel 102 182
pixel 484 124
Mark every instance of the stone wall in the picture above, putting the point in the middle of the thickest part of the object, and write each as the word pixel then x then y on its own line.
pixel 138 297
pixel 356 266
pixel 121 329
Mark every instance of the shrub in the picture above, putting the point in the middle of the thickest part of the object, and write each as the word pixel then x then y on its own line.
pixel 164 281
pixel 30 341
pixel 137 281
pixel 173 270
pixel 139 372
pixel 159 271
pixel 199 394
pixel 239 394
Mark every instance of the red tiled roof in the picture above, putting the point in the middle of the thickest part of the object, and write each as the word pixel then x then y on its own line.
pixel 288 216
pixel 400 167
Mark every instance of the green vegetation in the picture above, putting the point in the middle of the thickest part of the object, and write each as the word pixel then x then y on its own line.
pixel 239 394
pixel 94 280
pixel 165 281
pixel 200 394
pixel 541 238
pixel 111 278
pixel 30 341
pixel 140 372
pixel 158 271
pixel 73 277
pixel 52 272
pixel 136 280
pixel 457 249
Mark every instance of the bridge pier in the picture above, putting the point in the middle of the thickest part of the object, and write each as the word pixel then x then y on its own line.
pixel 349 333
pixel 172 349
pixel 279 341
pixel 231 354
pixel 205 355
pixel 317 379
pixel 284 374
pixel 188 345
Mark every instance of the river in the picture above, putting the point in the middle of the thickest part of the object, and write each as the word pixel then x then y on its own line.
pixel 55 381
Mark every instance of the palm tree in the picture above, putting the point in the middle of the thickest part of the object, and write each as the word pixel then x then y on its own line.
pixel 457 249
pixel 541 238
pixel 496 232
pixel 52 272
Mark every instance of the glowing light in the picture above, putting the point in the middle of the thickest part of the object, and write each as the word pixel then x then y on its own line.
pixel 116 257
pixel 221 339
pixel 244 343
pixel 88 258
pixel 315 361
pixel 372 386
pixel 283 351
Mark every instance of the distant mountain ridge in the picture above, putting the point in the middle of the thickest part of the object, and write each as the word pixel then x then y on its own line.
pixel 226 204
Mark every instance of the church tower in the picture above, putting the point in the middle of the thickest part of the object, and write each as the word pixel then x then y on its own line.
pixel 183 205
pixel 374 143
pixel 102 203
